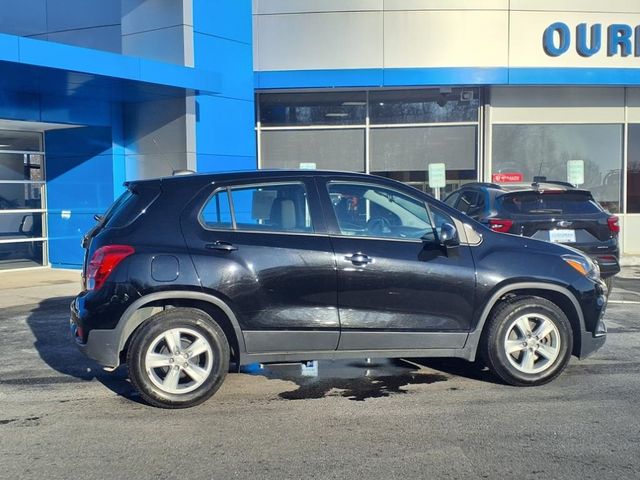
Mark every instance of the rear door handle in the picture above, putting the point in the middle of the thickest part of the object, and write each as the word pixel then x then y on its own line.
pixel 222 246
pixel 359 259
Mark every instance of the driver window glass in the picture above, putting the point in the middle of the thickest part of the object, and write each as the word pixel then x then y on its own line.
pixel 440 218
pixel 373 211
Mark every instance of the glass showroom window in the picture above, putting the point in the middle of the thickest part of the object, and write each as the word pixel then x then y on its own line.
pixel 633 168
pixel 543 151
pixel 412 128
pixel 323 130
pixel 300 109
pixel 405 153
pixel 22 209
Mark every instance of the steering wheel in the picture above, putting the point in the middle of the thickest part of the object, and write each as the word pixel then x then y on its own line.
pixel 378 226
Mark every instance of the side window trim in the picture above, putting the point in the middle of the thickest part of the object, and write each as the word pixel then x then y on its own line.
pixel 228 189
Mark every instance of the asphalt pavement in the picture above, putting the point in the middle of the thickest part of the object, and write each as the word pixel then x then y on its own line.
pixel 61 416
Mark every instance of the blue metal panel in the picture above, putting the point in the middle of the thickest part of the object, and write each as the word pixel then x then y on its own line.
pixel 378 77
pixel 395 77
pixel 224 18
pixel 225 126
pixel 225 163
pixel 79 185
pixel 233 59
pixel 77 59
pixel 363 77
pixel 19 106
pixel 72 110
pixel 574 76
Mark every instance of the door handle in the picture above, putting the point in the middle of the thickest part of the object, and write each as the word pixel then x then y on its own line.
pixel 359 259
pixel 221 246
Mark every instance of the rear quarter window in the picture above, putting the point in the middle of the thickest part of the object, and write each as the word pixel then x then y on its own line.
pixel 537 203
pixel 130 205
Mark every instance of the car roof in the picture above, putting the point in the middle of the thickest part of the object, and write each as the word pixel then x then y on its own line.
pixel 497 189
pixel 184 178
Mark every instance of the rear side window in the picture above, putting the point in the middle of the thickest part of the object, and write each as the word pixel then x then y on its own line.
pixel 537 203
pixel 130 205
pixel 281 207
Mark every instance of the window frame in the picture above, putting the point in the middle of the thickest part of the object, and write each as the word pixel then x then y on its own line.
pixel 241 185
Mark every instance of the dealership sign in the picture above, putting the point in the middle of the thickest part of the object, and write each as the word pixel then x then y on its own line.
pixel 508 177
pixel 617 39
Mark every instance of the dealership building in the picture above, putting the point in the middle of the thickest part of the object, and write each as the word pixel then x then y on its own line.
pixel 94 93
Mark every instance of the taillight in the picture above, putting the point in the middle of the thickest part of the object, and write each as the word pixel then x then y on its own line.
pixel 614 226
pixel 102 263
pixel 499 225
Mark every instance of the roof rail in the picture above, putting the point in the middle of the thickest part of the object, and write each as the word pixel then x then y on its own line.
pixel 482 184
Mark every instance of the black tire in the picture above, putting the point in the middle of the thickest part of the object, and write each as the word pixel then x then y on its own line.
pixel 609 283
pixel 191 325
pixel 501 327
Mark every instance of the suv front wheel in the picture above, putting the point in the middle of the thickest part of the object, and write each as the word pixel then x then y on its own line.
pixel 178 358
pixel 528 341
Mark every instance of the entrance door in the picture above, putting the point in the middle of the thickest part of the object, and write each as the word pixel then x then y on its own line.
pixel 398 288
pixel 22 209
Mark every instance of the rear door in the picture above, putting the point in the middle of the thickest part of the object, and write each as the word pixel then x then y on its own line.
pixel 261 246
pixel 397 287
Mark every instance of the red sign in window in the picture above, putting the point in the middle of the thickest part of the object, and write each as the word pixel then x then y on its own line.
pixel 508 177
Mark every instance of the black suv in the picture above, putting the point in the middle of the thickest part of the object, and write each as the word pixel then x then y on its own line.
pixel 551 211
pixel 186 275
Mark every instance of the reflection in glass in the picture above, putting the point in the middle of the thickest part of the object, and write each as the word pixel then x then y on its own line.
pixel 20 255
pixel 15 196
pixel 343 108
pixel 543 150
pixel 17 226
pixel 633 169
pixel 20 141
pixel 424 106
pixel 326 149
pixel 405 153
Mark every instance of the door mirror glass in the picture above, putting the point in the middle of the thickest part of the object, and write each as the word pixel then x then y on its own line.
pixel 448 235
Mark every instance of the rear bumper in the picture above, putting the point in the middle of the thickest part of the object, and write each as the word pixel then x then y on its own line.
pixel 100 345
pixel 608 264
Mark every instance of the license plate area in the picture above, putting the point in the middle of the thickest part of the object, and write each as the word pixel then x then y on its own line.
pixel 562 236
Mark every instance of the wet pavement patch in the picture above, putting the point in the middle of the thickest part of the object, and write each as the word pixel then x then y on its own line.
pixel 357 381
pixel 360 389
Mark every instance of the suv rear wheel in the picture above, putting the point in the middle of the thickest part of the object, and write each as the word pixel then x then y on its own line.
pixel 528 341
pixel 178 358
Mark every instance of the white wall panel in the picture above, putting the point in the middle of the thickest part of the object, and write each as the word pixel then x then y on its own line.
pixel 577 5
pixel 446 5
pixel 319 41
pixel 445 39
pixel 266 7
pixel 557 105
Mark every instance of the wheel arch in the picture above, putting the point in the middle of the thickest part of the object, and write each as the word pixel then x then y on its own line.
pixel 556 294
pixel 145 307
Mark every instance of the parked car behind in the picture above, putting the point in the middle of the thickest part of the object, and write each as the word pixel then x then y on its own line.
pixel 552 211
pixel 187 275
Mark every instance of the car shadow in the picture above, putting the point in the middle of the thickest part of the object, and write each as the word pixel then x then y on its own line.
pixel 459 368
pixel 49 322
pixel 356 380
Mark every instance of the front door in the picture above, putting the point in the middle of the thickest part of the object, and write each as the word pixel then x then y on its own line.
pixel 398 288
pixel 261 247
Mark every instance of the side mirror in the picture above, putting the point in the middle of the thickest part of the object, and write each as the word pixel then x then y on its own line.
pixel 448 235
